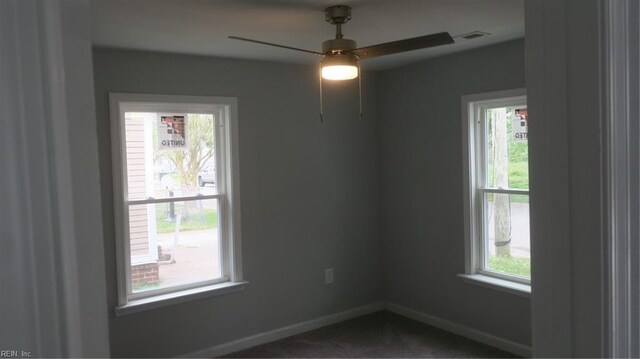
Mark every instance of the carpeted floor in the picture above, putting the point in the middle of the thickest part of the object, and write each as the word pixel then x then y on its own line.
pixel 378 335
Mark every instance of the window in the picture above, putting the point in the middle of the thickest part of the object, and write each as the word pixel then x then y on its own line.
pixel 496 188
pixel 176 198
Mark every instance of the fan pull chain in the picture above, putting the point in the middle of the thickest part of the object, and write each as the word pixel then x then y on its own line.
pixel 320 81
pixel 360 87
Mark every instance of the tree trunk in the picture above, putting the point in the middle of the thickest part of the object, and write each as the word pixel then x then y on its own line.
pixel 501 215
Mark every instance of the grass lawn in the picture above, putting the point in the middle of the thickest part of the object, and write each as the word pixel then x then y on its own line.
pixel 511 265
pixel 193 221
pixel 144 286
pixel 519 175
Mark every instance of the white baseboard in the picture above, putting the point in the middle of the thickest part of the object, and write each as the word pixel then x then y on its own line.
pixel 474 334
pixel 266 337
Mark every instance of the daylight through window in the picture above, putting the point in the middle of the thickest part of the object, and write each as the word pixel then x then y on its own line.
pixel 175 206
pixel 498 233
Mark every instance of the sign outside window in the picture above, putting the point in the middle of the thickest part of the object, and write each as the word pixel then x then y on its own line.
pixel 172 132
pixel 520 124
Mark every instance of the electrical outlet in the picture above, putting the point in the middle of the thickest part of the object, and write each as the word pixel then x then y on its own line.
pixel 328 276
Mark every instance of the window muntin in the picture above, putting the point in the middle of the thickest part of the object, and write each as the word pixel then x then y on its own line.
pixel 498 180
pixel 176 232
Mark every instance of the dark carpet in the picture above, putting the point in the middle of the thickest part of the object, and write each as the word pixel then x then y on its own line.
pixel 378 335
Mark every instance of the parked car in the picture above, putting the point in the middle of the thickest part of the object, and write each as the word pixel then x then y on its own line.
pixel 207 175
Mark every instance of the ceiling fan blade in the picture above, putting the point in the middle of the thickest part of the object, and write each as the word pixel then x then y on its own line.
pixel 276 45
pixel 394 47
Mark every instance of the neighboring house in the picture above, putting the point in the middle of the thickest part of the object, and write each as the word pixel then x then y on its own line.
pixel 142 236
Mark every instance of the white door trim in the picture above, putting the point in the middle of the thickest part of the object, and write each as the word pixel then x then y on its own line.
pixel 622 186
pixel 51 252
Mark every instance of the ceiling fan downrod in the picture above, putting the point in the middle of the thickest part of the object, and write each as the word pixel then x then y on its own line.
pixel 338 15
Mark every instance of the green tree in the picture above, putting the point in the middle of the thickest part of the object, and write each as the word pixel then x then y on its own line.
pixel 501 215
pixel 200 149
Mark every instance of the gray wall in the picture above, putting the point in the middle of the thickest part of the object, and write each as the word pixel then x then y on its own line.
pixel 420 133
pixel 308 193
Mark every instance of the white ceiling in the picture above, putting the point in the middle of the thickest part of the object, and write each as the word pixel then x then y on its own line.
pixel 202 26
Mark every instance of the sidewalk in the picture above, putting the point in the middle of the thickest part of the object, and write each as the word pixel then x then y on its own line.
pixel 197 257
pixel 520 231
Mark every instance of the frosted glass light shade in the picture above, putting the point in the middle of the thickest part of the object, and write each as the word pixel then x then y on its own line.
pixel 339 67
pixel 339 72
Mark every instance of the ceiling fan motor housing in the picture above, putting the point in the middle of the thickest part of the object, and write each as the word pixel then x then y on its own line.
pixel 340 60
pixel 338 46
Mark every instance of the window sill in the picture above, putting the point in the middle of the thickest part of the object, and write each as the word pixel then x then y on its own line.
pixel 163 300
pixel 523 290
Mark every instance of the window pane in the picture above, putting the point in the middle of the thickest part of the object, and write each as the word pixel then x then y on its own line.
pixel 169 155
pixel 506 148
pixel 174 243
pixel 507 245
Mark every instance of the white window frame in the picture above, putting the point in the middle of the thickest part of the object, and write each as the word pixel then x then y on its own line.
pixel 474 165
pixel 225 111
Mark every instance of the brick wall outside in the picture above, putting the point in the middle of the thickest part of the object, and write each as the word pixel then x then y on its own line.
pixel 147 274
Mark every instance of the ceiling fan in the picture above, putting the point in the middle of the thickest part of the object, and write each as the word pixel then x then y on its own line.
pixel 341 57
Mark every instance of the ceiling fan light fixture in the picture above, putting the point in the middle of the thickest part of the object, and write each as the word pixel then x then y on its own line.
pixel 339 67
pixel 341 57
